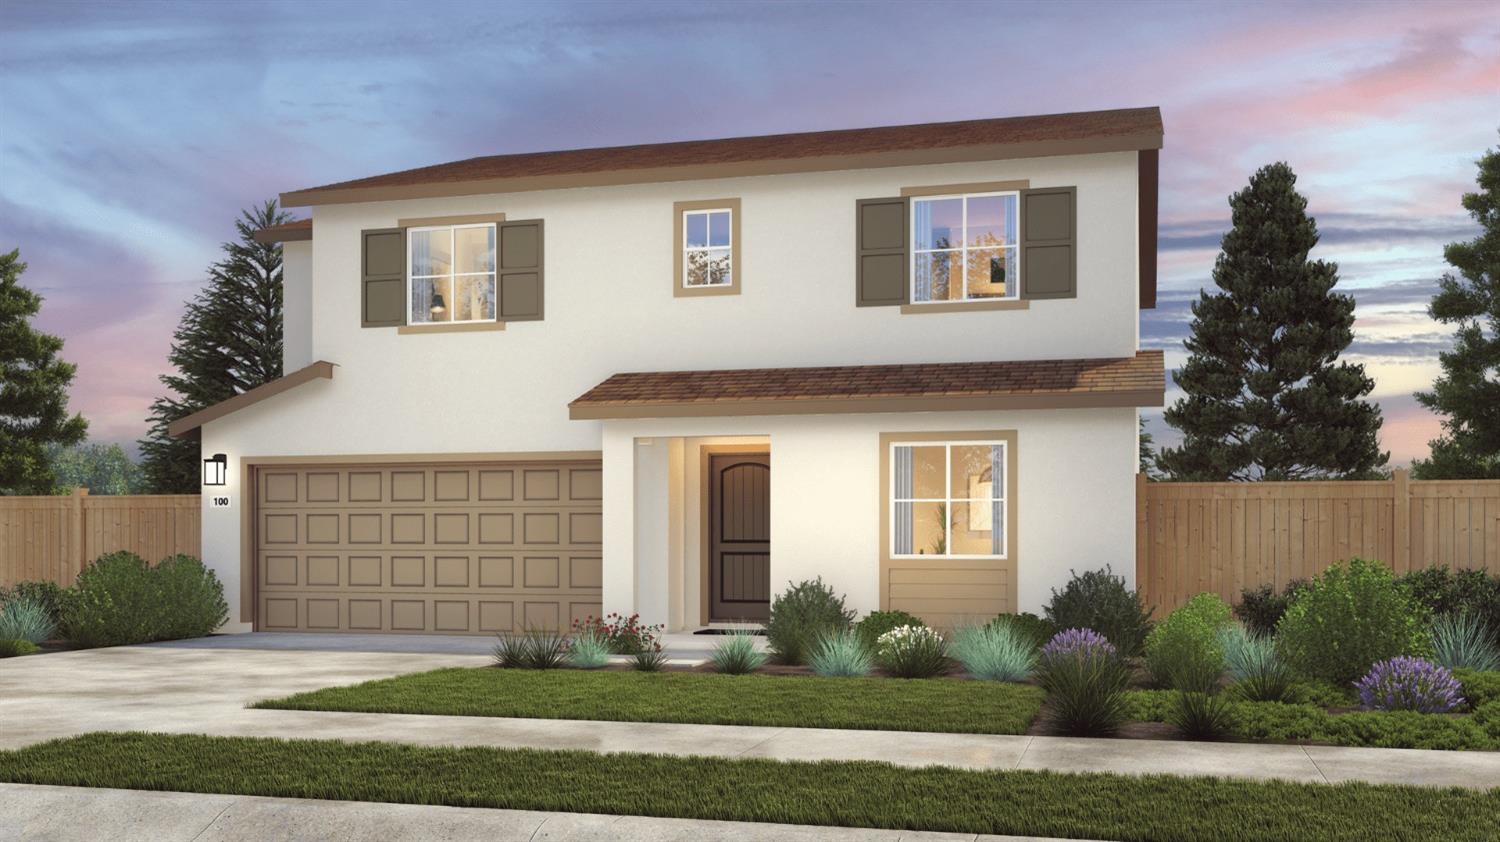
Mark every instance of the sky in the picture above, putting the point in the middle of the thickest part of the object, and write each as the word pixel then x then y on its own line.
pixel 131 134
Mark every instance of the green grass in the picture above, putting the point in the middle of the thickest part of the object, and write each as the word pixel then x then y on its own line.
pixel 1276 722
pixel 877 704
pixel 857 794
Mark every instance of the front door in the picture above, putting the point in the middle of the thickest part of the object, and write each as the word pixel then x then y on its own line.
pixel 739 514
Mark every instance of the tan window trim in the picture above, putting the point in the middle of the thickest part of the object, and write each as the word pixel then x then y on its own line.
pixel 1009 564
pixel 972 187
pixel 961 306
pixel 678 209
pixel 439 327
pixel 463 219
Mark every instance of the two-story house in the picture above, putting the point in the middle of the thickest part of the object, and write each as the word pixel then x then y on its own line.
pixel 673 378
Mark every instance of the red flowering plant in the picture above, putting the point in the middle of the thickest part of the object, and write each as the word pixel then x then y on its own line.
pixel 623 635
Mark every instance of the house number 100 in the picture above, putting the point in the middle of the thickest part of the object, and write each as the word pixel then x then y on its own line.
pixel 219 501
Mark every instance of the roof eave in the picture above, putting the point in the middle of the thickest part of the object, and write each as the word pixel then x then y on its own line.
pixel 583 411
pixel 188 424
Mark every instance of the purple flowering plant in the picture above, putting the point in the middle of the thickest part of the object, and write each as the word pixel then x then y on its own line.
pixel 1407 683
pixel 1077 643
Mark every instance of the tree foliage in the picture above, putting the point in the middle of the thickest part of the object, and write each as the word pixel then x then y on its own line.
pixel 33 389
pixel 101 468
pixel 1467 393
pixel 228 342
pixel 1266 395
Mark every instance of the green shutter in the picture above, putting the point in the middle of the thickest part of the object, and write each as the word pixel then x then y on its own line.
pixel 520 270
pixel 881 241
pixel 382 277
pixel 1049 248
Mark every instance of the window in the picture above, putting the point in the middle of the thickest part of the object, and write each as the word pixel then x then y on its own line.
pixel 965 248
pixel 452 274
pixel 948 499
pixel 708 248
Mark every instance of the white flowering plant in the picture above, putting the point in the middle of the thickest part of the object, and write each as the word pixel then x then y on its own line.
pixel 912 652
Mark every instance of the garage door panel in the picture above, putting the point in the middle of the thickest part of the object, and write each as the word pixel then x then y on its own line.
pixel 412 548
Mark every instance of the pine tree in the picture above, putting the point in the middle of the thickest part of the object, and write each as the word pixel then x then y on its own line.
pixel 1468 391
pixel 1267 397
pixel 33 389
pixel 228 342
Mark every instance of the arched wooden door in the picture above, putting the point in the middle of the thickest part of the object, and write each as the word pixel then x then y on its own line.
pixel 740 536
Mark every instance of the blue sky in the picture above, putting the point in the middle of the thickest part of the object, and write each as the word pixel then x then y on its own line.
pixel 132 133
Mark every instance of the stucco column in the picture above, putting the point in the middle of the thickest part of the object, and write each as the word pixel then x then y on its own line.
pixel 619 522
pixel 653 527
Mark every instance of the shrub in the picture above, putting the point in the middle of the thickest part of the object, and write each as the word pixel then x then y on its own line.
pixel 623 635
pixel 24 618
pixel 1406 683
pixel 650 659
pixel 1323 694
pixel 14 648
pixel 1479 688
pixel 1348 618
pixel 589 650
pixel 1201 715
pixel 877 623
pixel 1099 600
pixel 190 597
pixel 49 594
pixel 1184 651
pixel 996 652
pixel 800 616
pixel 533 649
pixel 1459 641
pixel 735 654
pixel 912 652
pixel 1262 608
pixel 1443 591
pixel 842 654
pixel 1085 680
pixel 1032 628
pixel 1254 666
pixel 114 602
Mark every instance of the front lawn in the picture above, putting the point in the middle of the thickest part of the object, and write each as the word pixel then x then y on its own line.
pixel 855 794
pixel 875 704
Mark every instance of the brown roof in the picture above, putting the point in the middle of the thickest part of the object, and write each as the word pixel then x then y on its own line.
pixel 967 140
pixel 299 229
pixel 1123 381
pixel 320 370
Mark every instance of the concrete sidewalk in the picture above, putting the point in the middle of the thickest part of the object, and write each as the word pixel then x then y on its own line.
pixel 205 692
pixel 681 648
pixel 65 814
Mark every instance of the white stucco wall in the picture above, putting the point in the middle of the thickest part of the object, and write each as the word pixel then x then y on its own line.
pixel 610 308
pixel 1075 471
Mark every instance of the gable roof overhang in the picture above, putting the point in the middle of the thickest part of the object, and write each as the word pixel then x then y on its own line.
pixel 1121 130
pixel 287 232
pixel 925 387
pixel 188 424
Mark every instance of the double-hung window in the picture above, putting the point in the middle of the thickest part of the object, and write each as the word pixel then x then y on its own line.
pixel 965 247
pixel 708 250
pixel 452 274
pixel 948 499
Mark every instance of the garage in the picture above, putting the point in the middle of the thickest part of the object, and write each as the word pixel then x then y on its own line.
pixel 441 548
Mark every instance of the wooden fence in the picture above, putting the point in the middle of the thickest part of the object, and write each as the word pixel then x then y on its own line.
pixel 1221 537
pixel 53 538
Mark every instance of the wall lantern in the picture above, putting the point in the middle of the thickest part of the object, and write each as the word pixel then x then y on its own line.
pixel 216 470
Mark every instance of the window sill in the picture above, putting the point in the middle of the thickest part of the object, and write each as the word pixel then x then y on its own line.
pixel 472 327
pixel 963 306
pixel 691 292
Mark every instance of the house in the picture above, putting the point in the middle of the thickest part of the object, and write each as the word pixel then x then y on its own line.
pixel 673 378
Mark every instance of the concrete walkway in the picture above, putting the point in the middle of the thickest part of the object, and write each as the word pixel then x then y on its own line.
pixel 185 690
pixel 682 648
pixel 65 814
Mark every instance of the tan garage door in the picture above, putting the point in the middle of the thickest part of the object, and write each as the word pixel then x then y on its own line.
pixel 439 549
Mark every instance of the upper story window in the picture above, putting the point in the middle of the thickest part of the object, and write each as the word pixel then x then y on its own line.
pixel 451 278
pixel 948 499
pixel 965 247
pixel 708 248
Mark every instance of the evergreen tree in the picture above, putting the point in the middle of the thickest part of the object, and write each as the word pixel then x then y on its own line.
pixel 33 389
pixel 1147 451
pixel 1468 391
pixel 1267 397
pixel 228 342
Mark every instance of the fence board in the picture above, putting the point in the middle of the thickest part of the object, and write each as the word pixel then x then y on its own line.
pixel 53 538
pixel 1224 537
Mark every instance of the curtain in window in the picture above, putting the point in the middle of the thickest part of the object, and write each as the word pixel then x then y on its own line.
pixel 923 278
pixel 421 264
pixel 903 490
pixel 997 491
